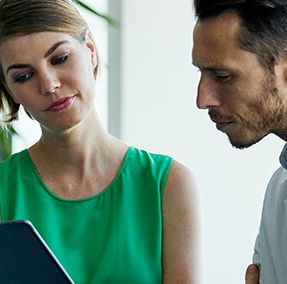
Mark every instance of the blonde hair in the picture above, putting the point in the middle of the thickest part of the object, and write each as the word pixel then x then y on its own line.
pixel 22 17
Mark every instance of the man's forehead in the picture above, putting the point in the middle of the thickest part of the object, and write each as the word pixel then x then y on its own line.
pixel 216 44
pixel 227 22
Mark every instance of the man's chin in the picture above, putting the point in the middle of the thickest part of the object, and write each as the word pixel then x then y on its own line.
pixel 243 144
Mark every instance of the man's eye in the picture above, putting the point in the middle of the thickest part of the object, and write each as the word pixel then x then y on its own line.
pixel 223 77
pixel 60 60
pixel 23 77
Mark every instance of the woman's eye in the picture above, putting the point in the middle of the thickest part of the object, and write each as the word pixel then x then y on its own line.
pixel 22 77
pixel 60 60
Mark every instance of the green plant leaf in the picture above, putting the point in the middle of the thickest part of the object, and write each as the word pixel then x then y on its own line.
pixel 88 8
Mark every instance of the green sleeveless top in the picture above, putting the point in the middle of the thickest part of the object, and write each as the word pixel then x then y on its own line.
pixel 112 237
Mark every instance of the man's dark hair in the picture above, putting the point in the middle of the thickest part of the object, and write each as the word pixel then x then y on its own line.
pixel 263 25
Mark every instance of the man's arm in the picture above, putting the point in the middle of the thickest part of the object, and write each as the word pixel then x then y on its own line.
pixel 252 274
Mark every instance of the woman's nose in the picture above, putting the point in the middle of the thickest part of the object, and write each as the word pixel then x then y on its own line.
pixel 207 94
pixel 49 83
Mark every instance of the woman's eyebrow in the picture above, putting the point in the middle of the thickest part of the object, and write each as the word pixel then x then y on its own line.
pixel 54 47
pixel 49 52
pixel 17 66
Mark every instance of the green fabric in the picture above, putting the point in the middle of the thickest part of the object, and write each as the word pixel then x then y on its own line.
pixel 112 237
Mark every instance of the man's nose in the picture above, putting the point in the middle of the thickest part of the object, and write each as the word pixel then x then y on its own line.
pixel 207 94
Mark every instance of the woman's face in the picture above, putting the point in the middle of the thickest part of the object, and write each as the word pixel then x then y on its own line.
pixel 51 75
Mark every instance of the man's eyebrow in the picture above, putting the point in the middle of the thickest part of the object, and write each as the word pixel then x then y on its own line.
pixel 211 68
pixel 49 52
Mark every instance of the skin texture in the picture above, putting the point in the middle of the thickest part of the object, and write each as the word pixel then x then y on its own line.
pixel 246 101
pixel 51 75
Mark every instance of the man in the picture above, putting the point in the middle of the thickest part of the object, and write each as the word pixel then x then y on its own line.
pixel 240 48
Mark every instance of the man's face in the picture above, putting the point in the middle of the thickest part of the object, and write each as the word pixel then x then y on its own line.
pixel 243 99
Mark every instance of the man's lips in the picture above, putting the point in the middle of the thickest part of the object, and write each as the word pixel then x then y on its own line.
pixel 221 121
pixel 60 104
pixel 220 125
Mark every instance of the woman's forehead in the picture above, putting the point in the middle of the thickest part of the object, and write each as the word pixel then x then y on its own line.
pixel 26 46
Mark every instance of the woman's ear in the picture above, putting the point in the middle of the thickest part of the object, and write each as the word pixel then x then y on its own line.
pixel 91 45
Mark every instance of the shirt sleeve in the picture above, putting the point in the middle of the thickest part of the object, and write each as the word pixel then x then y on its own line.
pixel 256 254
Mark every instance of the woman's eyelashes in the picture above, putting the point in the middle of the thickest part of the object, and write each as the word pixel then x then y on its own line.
pixel 24 76
pixel 60 59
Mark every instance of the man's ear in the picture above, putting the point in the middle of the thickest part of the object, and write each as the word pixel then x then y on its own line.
pixel 91 45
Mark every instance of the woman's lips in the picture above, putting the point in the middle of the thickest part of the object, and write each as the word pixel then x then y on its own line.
pixel 60 104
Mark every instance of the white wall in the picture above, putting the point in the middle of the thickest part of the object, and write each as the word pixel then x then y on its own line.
pixel 159 114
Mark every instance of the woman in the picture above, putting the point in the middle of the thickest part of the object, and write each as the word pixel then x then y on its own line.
pixel 111 213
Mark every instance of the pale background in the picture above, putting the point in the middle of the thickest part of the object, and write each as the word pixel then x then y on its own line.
pixel 148 100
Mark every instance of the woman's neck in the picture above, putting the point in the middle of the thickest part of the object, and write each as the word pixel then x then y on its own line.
pixel 79 163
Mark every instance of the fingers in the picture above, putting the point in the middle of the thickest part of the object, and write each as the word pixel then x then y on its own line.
pixel 252 274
